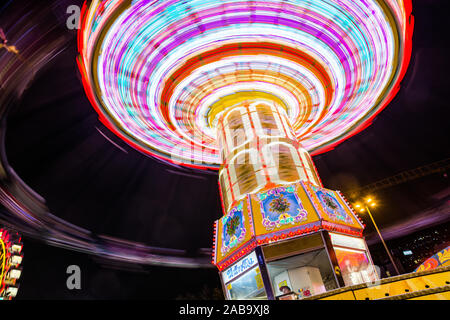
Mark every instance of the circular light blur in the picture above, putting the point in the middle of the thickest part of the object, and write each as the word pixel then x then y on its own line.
pixel 157 71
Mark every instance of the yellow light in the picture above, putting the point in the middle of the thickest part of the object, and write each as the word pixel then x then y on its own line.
pixel 362 210
pixel 357 205
pixel 373 204
pixel 369 200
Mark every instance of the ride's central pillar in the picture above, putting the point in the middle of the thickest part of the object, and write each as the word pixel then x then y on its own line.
pixel 259 151
pixel 281 228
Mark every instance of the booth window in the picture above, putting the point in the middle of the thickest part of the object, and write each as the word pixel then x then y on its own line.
pixel 353 259
pixel 248 286
pixel 305 274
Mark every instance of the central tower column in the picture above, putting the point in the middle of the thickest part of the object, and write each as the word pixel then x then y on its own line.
pixel 259 151
pixel 281 228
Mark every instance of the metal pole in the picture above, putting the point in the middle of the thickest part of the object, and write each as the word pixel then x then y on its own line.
pixel 384 244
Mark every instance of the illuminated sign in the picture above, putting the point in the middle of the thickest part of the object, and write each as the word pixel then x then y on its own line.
pixel 407 252
pixel 15 260
pixel 239 267
pixel 15 248
pixel 346 241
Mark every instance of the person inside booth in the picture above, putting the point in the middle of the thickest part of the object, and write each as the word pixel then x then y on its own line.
pixel 285 289
pixel 288 294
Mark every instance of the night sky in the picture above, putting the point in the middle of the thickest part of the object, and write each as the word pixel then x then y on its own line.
pixel 92 179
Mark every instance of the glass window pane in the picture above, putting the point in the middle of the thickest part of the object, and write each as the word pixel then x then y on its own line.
pixel 355 266
pixel 248 286
pixel 304 274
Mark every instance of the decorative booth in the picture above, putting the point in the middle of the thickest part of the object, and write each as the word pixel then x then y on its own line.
pixel 300 236
pixel 281 231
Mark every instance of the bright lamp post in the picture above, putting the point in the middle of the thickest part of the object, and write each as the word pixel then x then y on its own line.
pixel 365 207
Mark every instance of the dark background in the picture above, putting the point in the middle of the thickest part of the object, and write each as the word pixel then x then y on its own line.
pixel 57 145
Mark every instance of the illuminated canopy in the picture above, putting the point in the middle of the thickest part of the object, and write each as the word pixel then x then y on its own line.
pixel 160 72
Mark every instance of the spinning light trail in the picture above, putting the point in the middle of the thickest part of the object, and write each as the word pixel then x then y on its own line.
pixel 160 73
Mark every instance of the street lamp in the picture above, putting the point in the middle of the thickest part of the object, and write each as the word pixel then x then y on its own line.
pixel 365 207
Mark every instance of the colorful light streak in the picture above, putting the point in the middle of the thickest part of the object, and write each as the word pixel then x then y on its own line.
pixel 32 30
pixel 156 71
pixel 7 242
